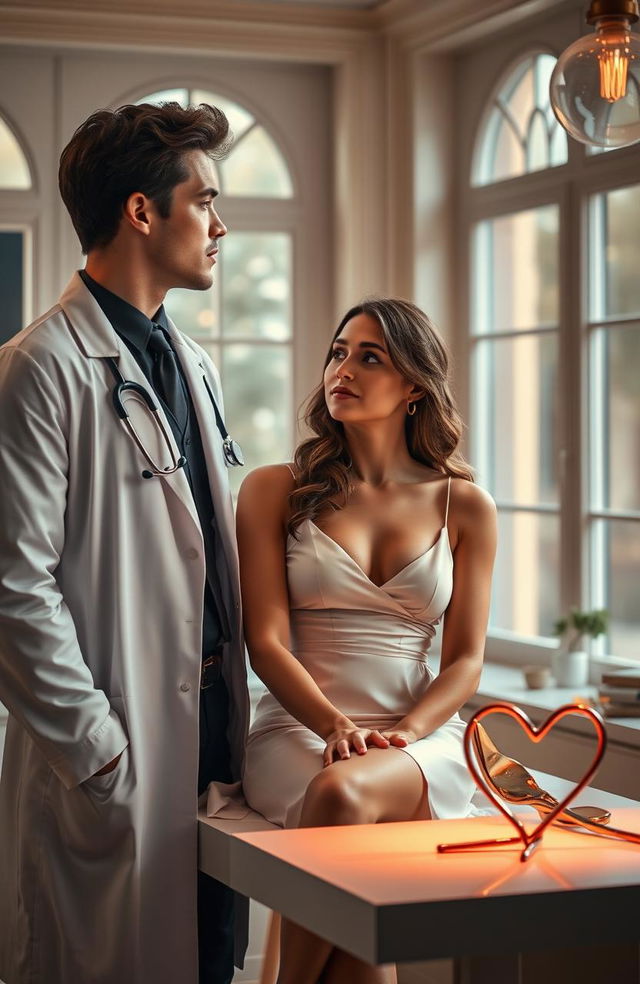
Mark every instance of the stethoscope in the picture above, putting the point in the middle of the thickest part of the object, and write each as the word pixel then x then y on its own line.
pixel 231 449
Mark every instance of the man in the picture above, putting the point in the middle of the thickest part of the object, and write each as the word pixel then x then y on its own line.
pixel 121 658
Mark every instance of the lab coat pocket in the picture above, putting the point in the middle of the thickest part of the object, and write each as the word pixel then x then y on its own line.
pixel 101 821
pixel 104 784
pixel 105 805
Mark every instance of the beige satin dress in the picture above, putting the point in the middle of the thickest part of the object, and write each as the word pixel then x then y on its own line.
pixel 367 648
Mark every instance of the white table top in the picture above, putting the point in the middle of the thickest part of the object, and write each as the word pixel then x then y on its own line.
pixel 384 893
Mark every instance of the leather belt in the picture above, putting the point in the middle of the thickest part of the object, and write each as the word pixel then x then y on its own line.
pixel 211 669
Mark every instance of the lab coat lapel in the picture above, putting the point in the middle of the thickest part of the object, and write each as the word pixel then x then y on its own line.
pixel 194 371
pixel 98 339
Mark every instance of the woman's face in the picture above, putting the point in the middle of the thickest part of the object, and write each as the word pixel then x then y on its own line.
pixel 360 382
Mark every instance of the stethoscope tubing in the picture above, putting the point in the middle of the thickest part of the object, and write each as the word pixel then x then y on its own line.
pixel 232 452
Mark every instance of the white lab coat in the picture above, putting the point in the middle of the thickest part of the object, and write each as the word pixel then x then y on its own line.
pixel 102 579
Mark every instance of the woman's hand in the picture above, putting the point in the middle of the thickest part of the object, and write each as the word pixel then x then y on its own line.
pixel 340 741
pixel 400 737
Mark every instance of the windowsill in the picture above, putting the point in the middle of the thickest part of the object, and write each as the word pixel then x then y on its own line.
pixel 501 682
pixel 506 683
pixel 511 649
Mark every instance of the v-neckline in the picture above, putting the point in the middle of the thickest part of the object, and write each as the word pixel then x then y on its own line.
pixel 356 565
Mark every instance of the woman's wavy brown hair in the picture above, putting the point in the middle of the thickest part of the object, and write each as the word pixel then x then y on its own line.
pixel 416 350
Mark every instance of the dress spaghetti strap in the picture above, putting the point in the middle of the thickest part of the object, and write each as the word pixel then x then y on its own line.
pixel 446 515
pixel 290 469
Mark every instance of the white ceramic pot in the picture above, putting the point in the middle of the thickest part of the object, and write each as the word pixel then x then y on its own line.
pixel 537 677
pixel 571 668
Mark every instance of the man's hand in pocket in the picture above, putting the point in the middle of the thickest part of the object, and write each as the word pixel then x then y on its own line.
pixel 109 767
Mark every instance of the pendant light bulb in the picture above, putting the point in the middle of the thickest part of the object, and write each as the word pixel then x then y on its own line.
pixel 595 86
pixel 614 39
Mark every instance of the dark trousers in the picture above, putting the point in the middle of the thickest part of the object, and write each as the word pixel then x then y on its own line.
pixel 215 900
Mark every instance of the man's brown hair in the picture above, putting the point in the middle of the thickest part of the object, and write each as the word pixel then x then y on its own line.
pixel 132 149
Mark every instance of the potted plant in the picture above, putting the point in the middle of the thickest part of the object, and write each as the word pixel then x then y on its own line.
pixel 571 662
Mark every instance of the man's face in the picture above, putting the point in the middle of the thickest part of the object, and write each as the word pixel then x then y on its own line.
pixel 183 247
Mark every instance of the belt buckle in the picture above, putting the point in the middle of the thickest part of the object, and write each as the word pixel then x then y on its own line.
pixel 209 661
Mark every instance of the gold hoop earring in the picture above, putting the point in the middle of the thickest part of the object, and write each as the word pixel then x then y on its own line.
pixel 411 408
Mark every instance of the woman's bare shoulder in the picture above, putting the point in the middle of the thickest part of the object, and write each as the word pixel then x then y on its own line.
pixel 470 503
pixel 265 475
pixel 264 498
pixel 268 485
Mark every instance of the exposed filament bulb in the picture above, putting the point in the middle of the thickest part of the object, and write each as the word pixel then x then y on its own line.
pixel 613 58
pixel 595 86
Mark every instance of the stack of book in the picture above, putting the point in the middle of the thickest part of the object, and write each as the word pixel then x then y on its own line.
pixel 619 693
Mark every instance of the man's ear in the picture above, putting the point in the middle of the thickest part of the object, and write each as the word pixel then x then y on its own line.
pixel 137 211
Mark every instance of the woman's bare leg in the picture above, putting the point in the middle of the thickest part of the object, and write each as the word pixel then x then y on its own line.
pixel 342 968
pixel 383 785
pixel 271 959
pixel 303 955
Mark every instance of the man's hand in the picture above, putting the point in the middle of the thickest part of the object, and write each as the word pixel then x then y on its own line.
pixel 109 767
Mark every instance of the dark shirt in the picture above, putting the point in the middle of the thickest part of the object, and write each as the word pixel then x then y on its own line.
pixel 134 328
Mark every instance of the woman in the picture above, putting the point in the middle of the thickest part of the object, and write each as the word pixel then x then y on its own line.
pixel 349 558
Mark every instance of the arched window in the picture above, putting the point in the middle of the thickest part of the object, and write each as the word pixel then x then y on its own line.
pixel 245 320
pixel 255 167
pixel 15 175
pixel 515 316
pixel 14 168
pixel 520 133
pixel 555 366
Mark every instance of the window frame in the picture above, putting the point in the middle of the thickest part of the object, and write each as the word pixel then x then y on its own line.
pixel 27 230
pixel 569 186
pixel 595 579
pixel 20 212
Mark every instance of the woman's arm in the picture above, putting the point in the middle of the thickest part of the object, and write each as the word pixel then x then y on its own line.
pixel 261 525
pixel 465 623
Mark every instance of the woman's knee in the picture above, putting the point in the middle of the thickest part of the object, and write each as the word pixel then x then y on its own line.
pixel 336 796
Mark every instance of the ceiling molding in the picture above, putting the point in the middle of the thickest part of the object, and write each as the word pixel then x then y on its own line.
pixel 276 15
pixel 443 25
pixel 102 26
pixel 296 31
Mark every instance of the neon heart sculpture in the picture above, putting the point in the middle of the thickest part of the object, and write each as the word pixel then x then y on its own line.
pixel 531 840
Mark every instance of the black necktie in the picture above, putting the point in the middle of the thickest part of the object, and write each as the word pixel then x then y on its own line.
pixel 166 376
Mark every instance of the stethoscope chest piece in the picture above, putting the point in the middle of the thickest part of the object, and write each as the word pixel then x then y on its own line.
pixel 232 452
